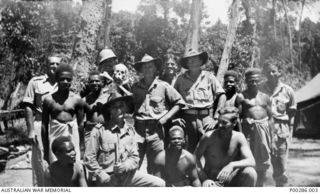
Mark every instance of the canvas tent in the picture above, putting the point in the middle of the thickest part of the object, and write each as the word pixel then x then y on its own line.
pixel 307 120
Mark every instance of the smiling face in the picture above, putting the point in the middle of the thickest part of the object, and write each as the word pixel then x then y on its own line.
pixel 53 63
pixel 64 80
pixel 229 83
pixel 117 111
pixel 94 83
pixel 176 139
pixel 171 67
pixel 66 153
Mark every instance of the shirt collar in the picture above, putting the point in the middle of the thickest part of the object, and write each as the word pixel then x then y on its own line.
pixel 153 84
pixel 188 76
pixel 124 130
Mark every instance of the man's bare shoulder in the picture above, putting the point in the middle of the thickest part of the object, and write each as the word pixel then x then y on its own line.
pixel 190 157
pixel 239 136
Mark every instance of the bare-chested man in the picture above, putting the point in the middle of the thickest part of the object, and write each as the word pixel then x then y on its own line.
pixel 64 111
pixel 176 165
pixel 257 122
pixel 93 101
pixel 66 171
pixel 228 159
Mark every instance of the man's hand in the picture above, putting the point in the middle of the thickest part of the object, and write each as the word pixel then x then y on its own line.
pixel 103 177
pixel 119 168
pixel 210 124
pixel 210 183
pixel 224 174
pixel 180 122
pixel 274 148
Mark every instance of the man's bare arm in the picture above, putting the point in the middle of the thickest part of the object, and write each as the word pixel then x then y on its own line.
pixel 193 173
pixel 29 121
pixel 81 177
pixel 247 159
pixel 221 103
pixel 170 114
pixel 271 125
pixel 199 151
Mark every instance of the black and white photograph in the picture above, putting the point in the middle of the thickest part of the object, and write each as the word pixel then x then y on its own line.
pixel 159 93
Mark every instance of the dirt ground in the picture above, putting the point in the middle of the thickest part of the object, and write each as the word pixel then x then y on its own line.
pixel 303 167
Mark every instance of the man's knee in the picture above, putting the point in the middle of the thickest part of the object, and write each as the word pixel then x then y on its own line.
pixel 249 176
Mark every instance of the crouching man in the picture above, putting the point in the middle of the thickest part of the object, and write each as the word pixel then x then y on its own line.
pixel 228 159
pixel 176 165
pixel 112 151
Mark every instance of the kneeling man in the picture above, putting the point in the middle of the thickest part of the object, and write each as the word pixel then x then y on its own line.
pixel 228 159
pixel 176 165
pixel 112 152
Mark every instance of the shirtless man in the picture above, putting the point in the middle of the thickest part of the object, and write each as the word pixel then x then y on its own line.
pixel 64 111
pixel 257 122
pixel 92 103
pixel 176 165
pixel 230 82
pixel 228 159
pixel 66 171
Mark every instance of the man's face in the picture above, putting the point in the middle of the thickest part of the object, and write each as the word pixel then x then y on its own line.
pixel 225 124
pixel 272 73
pixel 253 81
pixel 194 63
pixel 118 110
pixel 148 69
pixel 64 80
pixel 229 83
pixel 107 65
pixel 176 140
pixel 171 67
pixel 53 62
pixel 67 154
pixel 94 83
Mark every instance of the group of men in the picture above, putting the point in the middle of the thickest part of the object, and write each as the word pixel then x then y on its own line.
pixel 193 131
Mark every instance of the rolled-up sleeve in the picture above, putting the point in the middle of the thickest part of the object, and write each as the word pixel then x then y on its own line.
pixel 292 102
pixel 174 96
pixel 216 86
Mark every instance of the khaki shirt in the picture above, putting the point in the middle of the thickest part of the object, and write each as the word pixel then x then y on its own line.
pixel 102 146
pixel 155 101
pixel 38 88
pixel 199 93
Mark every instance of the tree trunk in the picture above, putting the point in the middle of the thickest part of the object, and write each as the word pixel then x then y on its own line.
pixel 274 18
pixel 194 26
pixel 285 5
pixel 86 46
pixel 299 36
pixel 232 29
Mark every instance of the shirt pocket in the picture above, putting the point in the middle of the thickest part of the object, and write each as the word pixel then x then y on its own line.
pixel 202 93
pixel 157 104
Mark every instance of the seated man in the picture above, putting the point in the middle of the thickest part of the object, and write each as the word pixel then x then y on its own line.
pixel 176 165
pixel 228 159
pixel 66 171
pixel 112 152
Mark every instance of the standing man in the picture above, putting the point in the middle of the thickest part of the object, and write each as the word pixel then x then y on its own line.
pixel 230 82
pixel 156 102
pixel 106 61
pixel 176 165
pixel 171 69
pixel 199 89
pixel 230 86
pixel 62 114
pixel 257 122
pixel 228 159
pixel 37 89
pixel 112 152
pixel 283 108
pixel 93 103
